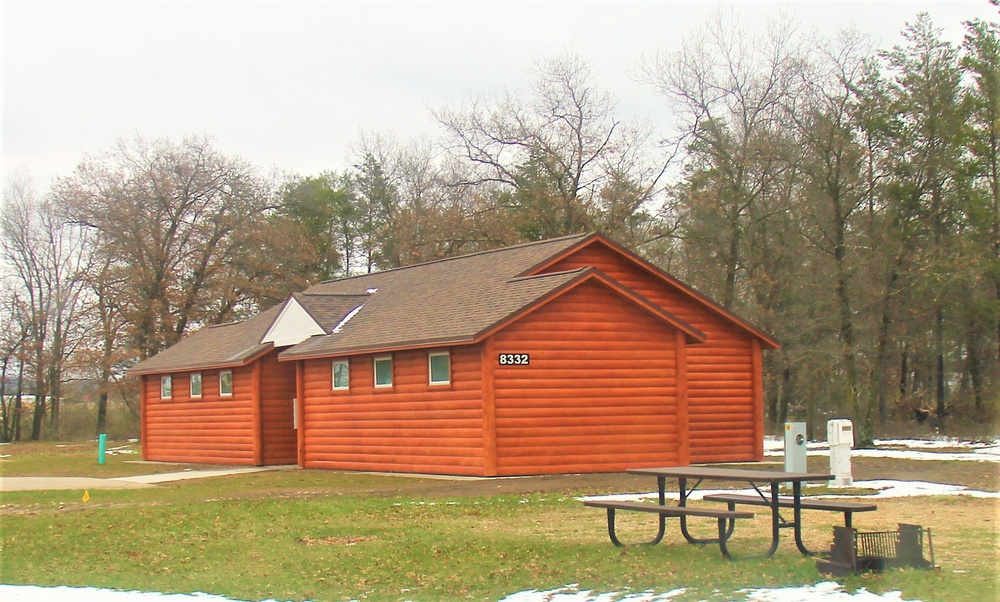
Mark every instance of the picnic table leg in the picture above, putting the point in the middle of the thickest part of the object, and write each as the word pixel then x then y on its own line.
pixel 724 534
pixel 775 522
pixel 682 486
pixel 614 536
pixel 797 499
pixel 775 527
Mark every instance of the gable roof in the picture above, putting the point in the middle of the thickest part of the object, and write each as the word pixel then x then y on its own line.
pixel 418 310
pixel 451 301
pixel 238 343
pixel 222 346
pixel 767 342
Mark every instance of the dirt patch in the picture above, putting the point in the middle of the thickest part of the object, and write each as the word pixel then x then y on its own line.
pixel 335 541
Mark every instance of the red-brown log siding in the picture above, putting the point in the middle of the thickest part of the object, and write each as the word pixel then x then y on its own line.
pixel 722 410
pixel 411 427
pixel 211 429
pixel 599 394
pixel 277 391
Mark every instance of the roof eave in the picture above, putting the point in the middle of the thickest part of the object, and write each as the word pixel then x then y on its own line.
pixel 290 355
pixel 235 363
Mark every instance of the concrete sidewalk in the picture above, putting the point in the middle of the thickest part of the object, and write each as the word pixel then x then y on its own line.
pixel 133 482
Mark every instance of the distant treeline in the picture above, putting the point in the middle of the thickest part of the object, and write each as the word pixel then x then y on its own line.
pixel 843 198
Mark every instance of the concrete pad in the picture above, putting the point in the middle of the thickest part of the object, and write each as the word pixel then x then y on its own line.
pixel 64 483
pixel 167 477
pixel 133 482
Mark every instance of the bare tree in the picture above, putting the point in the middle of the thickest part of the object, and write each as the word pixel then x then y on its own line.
pixel 551 152
pixel 13 340
pixel 46 256
pixel 728 89
pixel 179 223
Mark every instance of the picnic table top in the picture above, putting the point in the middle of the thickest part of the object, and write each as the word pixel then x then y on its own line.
pixel 731 474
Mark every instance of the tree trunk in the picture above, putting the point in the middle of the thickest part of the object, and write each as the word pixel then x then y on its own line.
pixel 4 405
pixel 37 416
pixel 974 365
pixel 18 400
pixel 102 412
pixel 939 378
pixel 787 392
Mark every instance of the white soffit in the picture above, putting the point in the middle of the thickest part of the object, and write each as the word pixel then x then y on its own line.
pixel 293 325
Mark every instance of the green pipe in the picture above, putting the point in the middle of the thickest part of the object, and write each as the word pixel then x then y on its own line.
pixel 102 442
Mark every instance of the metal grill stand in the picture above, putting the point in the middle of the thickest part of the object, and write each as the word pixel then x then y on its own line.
pixel 859 552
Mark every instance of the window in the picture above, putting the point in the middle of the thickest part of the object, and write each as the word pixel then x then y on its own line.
pixel 166 387
pixel 226 382
pixel 341 375
pixel 383 371
pixel 439 367
pixel 196 384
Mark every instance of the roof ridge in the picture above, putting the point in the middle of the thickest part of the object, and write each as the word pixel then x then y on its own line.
pixel 549 274
pixel 322 294
pixel 234 323
pixel 522 245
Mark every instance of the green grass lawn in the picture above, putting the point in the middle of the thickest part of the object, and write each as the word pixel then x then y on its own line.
pixel 323 535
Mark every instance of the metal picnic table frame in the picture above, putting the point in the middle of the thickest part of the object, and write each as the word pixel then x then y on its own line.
pixel 756 478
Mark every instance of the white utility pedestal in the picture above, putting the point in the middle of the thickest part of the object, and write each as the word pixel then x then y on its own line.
pixel 840 436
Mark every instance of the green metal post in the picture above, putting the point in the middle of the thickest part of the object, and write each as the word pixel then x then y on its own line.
pixel 102 442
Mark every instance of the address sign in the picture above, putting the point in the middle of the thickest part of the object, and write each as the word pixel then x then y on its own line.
pixel 514 359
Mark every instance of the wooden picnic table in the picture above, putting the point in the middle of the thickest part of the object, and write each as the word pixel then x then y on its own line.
pixel 756 479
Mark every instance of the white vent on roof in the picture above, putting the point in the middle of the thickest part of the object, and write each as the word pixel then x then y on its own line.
pixel 340 327
pixel 372 290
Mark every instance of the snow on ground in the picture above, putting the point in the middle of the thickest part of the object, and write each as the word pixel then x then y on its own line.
pixel 880 489
pixel 827 591
pixel 903 449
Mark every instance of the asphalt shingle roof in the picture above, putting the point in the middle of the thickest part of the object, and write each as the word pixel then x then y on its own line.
pixel 450 301
pixel 446 301
pixel 216 346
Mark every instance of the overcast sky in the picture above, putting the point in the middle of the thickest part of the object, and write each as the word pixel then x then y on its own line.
pixel 291 84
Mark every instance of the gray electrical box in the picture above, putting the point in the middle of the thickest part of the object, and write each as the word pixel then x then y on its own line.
pixel 795 447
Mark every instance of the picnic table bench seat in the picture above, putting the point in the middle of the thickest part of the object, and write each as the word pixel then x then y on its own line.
pixel 722 516
pixel 848 508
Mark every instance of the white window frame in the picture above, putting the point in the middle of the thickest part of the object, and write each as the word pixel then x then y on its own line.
pixel 222 392
pixel 375 362
pixel 430 367
pixel 195 376
pixel 333 374
pixel 167 387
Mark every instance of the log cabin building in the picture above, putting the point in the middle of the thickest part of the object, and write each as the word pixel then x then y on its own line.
pixel 565 355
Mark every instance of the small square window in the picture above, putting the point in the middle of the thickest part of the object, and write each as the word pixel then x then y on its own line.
pixel 439 368
pixel 196 384
pixel 341 375
pixel 226 382
pixel 383 371
pixel 166 387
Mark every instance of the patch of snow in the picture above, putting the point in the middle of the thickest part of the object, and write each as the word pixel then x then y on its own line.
pixel 912 449
pixel 880 489
pixel 35 593
pixel 827 591
pixel 887 488
pixel 572 593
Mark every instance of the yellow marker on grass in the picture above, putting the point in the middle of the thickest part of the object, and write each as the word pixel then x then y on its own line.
pixel 86 496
